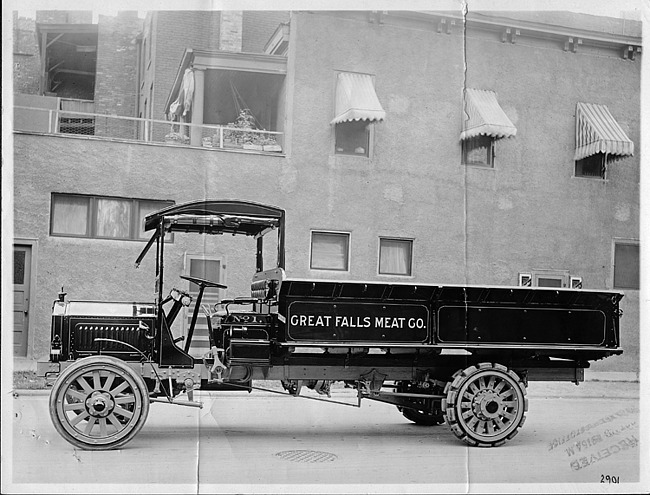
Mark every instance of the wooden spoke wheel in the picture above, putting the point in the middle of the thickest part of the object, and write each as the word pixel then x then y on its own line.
pixel 99 403
pixel 425 412
pixel 485 405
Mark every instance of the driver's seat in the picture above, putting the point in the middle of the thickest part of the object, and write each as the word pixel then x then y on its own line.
pixel 266 285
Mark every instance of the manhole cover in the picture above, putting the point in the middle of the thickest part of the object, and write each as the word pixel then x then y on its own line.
pixel 306 456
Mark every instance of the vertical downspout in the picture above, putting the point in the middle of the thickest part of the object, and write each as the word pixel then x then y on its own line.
pixel 138 81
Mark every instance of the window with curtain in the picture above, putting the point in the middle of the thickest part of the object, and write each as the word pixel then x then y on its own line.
pixel 591 166
pixel 479 151
pixel 74 215
pixel 113 218
pixel 626 265
pixel 395 256
pixel 70 215
pixel 330 251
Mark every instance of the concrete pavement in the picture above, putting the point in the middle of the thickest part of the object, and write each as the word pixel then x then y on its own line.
pixel 263 442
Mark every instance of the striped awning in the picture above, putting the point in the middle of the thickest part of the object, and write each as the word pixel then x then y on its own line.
pixel 356 99
pixel 484 116
pixel 598 132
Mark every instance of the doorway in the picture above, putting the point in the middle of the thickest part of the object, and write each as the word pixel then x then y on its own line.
pixel 22 276
pixel 207 268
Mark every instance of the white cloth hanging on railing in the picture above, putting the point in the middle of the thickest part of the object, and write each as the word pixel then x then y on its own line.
pixel 188 89
pixel 183 103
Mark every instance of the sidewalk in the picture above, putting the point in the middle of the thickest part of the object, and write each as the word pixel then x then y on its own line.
pixel 24 364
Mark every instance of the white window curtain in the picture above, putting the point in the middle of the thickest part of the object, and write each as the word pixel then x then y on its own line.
pixel 329 251
pixel 395 256
pixel 70 215
pixel 113 218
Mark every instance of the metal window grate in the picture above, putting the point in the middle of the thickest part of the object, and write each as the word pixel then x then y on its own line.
pixel 311 456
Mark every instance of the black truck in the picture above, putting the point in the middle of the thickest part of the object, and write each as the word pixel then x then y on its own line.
pixel 460 354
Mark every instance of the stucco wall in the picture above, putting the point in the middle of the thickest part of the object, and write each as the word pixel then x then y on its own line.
pixel 470 224
pixel 410 186
pixel 104 269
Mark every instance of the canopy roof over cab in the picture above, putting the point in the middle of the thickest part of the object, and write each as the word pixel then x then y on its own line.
pixel 217 217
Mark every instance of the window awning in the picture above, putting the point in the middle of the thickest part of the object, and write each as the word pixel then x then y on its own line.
pixel 598 132
pixel 484 116
pixel 356 99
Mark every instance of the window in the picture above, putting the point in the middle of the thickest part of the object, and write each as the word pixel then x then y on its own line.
pixel 626 265
pixel 353 138
pixel 546 278
pixel 591 166
pixel 208 268
pixel 101 217
pixel 479 151
pixel 357 110
pixel 395 256
pixel 549 281
pixel 330 251
pixel 600 140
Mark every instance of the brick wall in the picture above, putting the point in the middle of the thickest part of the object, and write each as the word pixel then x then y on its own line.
pixel 27 61
pixel 258 26
pixel 117 61
pixel 230 31
pixel 173 32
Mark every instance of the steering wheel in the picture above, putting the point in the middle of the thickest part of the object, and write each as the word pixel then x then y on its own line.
pixel 203 283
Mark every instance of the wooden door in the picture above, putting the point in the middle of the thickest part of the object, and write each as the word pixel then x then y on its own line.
pixel 207 269
pixel 22 273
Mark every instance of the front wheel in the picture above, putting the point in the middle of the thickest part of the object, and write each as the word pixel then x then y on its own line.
pixel 99 403
pixel 485 405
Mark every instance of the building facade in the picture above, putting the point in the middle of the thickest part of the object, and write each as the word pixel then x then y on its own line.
pixel 404 146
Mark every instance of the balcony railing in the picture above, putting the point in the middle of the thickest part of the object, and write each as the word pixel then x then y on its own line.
pixel 97 125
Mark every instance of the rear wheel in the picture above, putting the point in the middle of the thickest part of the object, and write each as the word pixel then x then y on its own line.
pixel 99 403
pixel 485 405
pixel 425 412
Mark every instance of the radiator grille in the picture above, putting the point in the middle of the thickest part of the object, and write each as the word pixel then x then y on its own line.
pixel 85 335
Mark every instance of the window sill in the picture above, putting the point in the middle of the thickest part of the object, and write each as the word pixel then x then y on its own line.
pixel 596 179
pixel 480 167
pixel 351 155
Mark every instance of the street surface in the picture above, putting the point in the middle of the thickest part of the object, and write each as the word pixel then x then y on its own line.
pixel 242 442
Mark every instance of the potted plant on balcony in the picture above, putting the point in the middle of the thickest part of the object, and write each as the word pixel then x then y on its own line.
pixel 241 135
pixel 176 138
pixel 269 143
pixel 244 124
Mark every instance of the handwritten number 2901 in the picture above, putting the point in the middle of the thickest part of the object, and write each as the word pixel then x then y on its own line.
pixel 608 479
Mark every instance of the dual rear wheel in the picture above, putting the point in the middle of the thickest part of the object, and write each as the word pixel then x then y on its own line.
pixel 484 405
